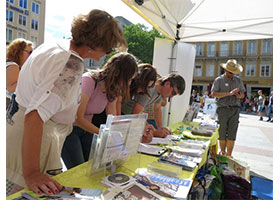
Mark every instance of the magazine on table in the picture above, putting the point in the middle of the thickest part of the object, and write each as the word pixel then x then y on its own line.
pixel 134 191
pixel 187 162
pixel 151 149
pixel 200 144
pixel 164 185
pixel 189 152
pixel 69 193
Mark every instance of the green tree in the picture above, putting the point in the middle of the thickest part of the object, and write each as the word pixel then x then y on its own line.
pixel 140 41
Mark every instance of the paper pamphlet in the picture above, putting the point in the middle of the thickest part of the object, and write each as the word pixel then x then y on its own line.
pixel 151 149
pixel 163 185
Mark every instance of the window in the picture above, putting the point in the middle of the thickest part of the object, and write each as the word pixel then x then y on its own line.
pixel 9 34
pixel 10 1
pixel 199 49
pixel 34 24
pixel 35 8
pixel 237 48
pixel 211 49
pixel 91 63
pixel 252 47
pixel 9 16
pixel 22 20
pixel 198 70
pixel 210 70
pixel 265 70
pixel 250 70
pixel 21 35
pixel 23 4
pixel 34 40
pixel 266 46
pixel 224 48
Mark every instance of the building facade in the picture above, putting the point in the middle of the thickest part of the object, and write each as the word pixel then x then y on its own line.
pixel 25 19
pixel 255 56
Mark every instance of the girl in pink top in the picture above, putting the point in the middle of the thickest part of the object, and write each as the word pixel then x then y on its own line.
pixel 100 90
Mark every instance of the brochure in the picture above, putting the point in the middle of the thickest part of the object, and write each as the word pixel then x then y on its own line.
pixel 187 162
pixel 151 149
pixel 75 193
pixel 135 191
pixel 163 185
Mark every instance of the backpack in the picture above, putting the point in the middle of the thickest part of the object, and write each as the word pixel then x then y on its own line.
pixel 236 187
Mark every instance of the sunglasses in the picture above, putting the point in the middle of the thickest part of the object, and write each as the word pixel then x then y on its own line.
pixel 29 52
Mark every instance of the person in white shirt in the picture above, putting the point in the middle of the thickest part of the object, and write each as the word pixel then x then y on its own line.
pixel 48 94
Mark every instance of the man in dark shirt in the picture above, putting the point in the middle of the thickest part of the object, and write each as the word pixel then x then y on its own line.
pixel 228 89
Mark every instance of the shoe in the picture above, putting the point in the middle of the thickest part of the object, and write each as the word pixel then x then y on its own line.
pixel 268 120
pixel 271 120
pixel 261 119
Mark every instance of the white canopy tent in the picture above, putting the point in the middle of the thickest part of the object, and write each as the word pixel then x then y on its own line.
pixel 198 21
pixel 207 20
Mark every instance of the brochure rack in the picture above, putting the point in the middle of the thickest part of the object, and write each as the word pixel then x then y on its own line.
pixel 117 142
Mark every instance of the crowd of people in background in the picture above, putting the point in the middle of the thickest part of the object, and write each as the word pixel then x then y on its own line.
pixel 261 104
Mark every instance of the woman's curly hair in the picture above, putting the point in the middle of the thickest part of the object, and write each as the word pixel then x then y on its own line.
pixel 98 29
pixel 15 49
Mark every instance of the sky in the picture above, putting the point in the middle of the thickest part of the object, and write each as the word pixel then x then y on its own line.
pixel 60 13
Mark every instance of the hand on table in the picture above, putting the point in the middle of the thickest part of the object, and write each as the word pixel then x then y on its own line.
pixel 148 133
pixel 162 132
pixel 39 182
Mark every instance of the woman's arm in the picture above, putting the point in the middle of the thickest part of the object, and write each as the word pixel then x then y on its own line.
pixel 31 148
pixel 12 73
pixel 111 108
pixel 119 105
pixel 81 121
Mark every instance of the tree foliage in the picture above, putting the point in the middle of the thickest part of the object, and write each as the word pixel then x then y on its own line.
pixel 140 41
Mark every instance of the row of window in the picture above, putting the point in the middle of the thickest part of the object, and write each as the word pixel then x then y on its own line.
pixel 266 48
pixel 9 36
pixel 250 70
pixel 35 7
pixel 21 20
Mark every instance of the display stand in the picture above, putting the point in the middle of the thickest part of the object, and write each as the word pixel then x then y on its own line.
pixel 191 113
pixel 116 144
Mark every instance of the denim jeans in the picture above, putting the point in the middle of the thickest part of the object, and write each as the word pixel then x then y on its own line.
pixel 152 122
pixel 76 148
pixel 270 108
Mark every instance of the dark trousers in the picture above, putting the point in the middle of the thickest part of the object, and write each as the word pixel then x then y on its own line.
pixel 77 146
pixel 228 119
pixel 152 122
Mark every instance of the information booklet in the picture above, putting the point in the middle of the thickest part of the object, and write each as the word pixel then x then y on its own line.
pixel 135 191
pixel 68 193
pixel 163 185
pixel 187 162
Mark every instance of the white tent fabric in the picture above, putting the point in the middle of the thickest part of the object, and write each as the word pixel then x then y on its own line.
pixel 208 20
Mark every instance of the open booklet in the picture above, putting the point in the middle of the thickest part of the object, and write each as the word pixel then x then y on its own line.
pixel 71 193
pixel 134 191
pixel 164 185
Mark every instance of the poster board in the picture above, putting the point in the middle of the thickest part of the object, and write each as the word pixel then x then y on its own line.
pixel 179 58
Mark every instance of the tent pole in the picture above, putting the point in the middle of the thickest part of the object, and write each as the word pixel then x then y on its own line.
pixel 171 70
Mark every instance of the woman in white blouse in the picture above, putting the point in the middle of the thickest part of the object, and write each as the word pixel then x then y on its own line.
pixel 48 94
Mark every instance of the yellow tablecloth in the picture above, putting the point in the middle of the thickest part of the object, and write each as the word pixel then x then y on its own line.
pixel 77 177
